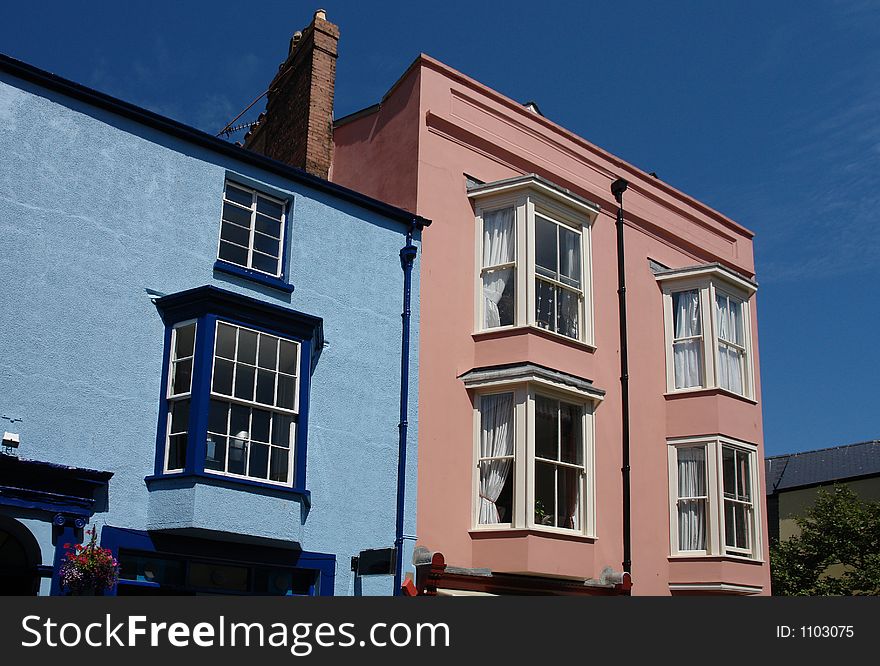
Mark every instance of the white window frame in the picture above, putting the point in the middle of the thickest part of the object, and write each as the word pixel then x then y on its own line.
pixel 709 283
pixel 529 199
pixel 523 515
pixel 715 528
pixel 279 272
pixel 173 398
pixel 253 404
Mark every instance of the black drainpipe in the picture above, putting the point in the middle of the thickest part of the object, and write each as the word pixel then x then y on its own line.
pixel 618 187
pixel 407 257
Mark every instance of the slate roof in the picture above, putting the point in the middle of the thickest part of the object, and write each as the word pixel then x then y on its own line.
pixel 795 470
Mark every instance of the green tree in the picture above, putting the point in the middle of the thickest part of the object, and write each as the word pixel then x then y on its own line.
pixel 840 531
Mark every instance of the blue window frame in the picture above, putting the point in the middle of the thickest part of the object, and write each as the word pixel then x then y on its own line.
pixel 235 389
pixel 253 241
pixel 153 563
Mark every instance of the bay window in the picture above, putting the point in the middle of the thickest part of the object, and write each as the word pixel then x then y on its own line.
pixel 236 388
pixel 712 489
pixel 534 449
pixel 533 257
pixel 708 330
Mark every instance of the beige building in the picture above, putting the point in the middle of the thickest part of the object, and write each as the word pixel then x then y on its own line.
pixel 794 479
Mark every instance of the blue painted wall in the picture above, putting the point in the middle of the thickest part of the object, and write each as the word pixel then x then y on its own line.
pixel 94 209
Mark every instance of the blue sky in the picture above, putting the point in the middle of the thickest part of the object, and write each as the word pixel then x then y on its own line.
pixel 767 111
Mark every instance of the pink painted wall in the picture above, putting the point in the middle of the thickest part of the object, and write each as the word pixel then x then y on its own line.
pixel 433 127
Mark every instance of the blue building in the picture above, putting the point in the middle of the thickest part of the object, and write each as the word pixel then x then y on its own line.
pixel 201 355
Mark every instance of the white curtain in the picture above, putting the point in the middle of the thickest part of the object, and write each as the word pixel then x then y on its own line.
pixel 496 439
pixel 498 248
pixel 730 368
pixel 687 354
pixel 692 512
pixel 570 257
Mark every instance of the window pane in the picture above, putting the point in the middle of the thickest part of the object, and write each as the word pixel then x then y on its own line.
pixel 260 420
pixel 281 430
pixel 692 472
pixel 264 263
pixel 222 376
pixel 215 452
pixel 280 462
pixel 268 352
pixel 545 492
pixel 686 314
pixel 499 237
pixel 181 380
pixel 225 341
pixel 235 234
pixel 237 455
pixel 545 304
pixel 233 253
pixel 269 208
pixel 572 442
pixel 218 417
pixel 286 391
pixel 742 526
pixel 737 323
pixel 268 226
pixel 545 246
pixel 546 428
pixel 238 195
pixel 247 346
pixel 266 244
pixel 498 297
pixel 568 512
pixel 569 257
pixel 259 463
pixel 180 416
pixel 568 311
pixel 687 359
pixel 692 525
pixel 728 466
pixel 744 479
pixel 239 421
pixel 185 337
pixel 729 525
pixel 177 451
pixel 244 382
pixel 236 215
pixel 287 358
pixel 493 472
pixel 266 387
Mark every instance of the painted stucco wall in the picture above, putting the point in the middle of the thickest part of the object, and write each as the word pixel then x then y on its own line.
pixel 466 129
pixel 796 502
pixel 94 209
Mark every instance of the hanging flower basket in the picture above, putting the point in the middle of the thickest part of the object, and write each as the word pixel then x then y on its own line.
pixel 88 569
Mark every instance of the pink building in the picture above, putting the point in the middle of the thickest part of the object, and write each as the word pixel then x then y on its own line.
pixel 524 427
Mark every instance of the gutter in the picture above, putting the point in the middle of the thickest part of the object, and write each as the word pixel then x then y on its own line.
pixel 408 255
pixel 618 187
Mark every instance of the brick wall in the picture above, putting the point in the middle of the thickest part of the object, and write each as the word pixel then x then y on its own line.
pixel 297 127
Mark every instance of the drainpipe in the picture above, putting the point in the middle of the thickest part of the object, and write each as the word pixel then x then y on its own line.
pixel 618 187
pixel 407 257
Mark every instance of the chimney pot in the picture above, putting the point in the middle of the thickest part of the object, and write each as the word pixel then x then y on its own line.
pixel 321 15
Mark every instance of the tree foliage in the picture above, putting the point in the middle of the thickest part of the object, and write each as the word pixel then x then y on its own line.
pixel 839 531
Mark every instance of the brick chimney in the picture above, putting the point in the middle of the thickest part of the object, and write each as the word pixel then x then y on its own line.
pixel 297 126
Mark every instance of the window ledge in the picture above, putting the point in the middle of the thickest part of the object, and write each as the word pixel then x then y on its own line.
pixel 697 392
pixel 254 276
pixel 191 478
pixel 513 532
pixel 716 558
pixel 510 331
